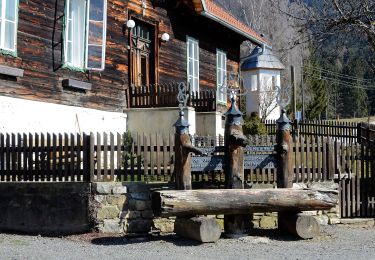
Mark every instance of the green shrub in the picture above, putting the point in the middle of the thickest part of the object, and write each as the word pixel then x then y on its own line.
pixel 254 126
pixel 128 156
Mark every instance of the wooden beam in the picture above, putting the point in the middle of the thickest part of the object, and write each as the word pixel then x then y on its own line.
pixel 238 201
pixel 202 229
pixel 9 71
pixel 300 225
pixel 76 84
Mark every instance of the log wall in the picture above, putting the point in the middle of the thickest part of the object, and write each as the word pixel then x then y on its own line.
pixel 39 51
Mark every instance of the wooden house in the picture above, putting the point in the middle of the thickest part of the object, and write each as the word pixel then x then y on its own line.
pixel 105 65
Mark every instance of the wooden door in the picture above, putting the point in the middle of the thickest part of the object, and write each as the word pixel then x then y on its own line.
pixel 142 55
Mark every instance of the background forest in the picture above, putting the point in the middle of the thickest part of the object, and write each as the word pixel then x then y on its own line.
pixel 331 44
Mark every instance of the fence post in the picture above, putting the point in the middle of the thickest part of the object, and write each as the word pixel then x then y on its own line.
pixel 295 129
pixel 359 133
pixel 234 140
pixel 86 156
pixel 333 155
pixel 372 153
pixel 91 146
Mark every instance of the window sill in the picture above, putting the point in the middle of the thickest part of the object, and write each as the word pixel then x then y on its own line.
pixel 220 102
pixel 72 68
pixel 76 84
pixel 9 53
pixel 9 71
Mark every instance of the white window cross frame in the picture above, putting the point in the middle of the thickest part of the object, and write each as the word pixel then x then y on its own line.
pixel 193 63
pixel 221 75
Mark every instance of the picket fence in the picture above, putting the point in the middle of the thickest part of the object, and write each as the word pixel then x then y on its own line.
pixel 45 157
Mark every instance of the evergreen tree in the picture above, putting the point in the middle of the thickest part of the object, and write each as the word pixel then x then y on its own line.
pixel 319 99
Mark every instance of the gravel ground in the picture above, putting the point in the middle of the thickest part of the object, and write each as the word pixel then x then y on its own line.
pixel 335 242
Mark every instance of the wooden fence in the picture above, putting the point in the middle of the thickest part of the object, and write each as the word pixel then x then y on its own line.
pixel 94 157
pixel 120 157
pixel 344 131
pixel 165 95
pixel 357 191
pixel 132 158
pixel 44 157
pixel 109 156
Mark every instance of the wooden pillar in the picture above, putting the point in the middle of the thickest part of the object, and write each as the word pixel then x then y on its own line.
pixel 182 162
pixel 284 152
pixel 234 225
pixel 294 222
pixel 202 229
pixel 183 150
pixel 294 85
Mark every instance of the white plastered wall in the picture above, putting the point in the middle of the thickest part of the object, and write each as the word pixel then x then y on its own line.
pixel 20 115
pixel 158 120
pixel 210 124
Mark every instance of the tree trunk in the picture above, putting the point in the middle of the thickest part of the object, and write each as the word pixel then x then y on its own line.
pixel 300 225
pixel 202 229
pixel 238 201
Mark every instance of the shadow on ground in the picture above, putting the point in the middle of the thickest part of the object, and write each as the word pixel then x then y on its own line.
pixel 271 234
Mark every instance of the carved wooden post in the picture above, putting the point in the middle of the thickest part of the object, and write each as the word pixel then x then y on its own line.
pixel 284 152
pixel 296 223
pixel 183 148
pixel 203 229
pixel 234 166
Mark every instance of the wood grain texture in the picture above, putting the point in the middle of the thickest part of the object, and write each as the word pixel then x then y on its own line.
pixel 238 201
pixel 39 53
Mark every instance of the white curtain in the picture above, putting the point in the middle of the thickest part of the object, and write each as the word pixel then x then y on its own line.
pixel 75 33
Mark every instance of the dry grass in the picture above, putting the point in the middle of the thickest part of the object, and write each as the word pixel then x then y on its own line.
pixel 358 120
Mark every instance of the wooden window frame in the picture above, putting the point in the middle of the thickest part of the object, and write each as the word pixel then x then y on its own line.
pixel 195 42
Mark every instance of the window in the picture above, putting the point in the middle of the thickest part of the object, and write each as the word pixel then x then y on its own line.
pixel 8 25
pixel 193 63
pixel 221 72
pixel 85 34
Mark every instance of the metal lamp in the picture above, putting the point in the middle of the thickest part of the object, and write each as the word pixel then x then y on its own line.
pixel 130 24
pixel 165 37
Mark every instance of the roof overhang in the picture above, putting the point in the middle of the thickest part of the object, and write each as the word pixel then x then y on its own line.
pixel 210 10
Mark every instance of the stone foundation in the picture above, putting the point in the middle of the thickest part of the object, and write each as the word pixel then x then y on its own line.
pixel 125 208
pixel 110 207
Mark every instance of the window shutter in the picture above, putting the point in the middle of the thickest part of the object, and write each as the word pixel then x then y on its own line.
pixel 96 34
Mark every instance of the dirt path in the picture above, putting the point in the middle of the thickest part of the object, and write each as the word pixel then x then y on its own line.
pixel 339 242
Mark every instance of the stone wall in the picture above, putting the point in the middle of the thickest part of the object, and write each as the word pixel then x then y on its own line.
pixel 44 208
pixel 126 208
